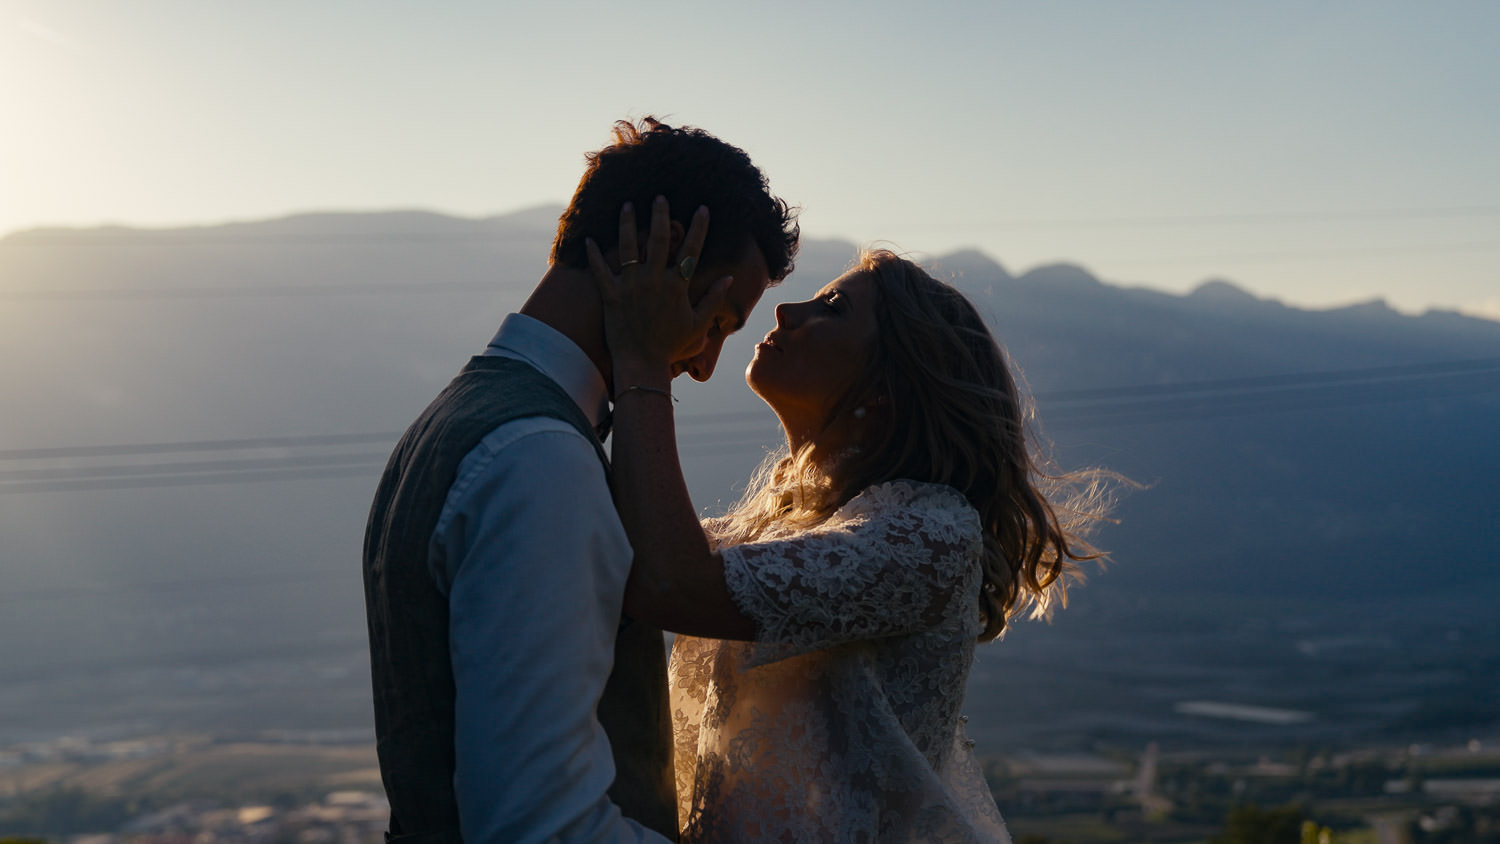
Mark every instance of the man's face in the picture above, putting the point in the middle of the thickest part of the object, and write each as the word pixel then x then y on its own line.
pixel 750 281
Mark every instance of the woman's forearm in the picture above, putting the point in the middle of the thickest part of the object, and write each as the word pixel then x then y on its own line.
pixel 676 582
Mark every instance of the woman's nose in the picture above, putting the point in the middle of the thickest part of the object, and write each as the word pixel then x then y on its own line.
pixel 789 314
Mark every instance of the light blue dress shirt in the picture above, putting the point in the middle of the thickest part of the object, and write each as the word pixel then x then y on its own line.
pixel 532 557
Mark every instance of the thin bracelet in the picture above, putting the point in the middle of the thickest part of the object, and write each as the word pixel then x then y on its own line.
pixel 659 391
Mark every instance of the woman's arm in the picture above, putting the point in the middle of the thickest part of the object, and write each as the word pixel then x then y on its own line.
pixel 677 580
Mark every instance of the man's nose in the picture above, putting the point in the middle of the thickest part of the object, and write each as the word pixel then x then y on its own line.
pixel 700 367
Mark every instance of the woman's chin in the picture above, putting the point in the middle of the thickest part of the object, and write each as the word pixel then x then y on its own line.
pixel 755 387
pixel 755 373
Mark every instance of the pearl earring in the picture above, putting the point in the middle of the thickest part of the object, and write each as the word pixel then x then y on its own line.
pixel 859 413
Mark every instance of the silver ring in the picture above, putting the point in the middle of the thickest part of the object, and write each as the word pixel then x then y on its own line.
pixel 686 267
pixel 624 264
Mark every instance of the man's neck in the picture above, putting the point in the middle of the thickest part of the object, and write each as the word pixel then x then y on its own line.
pixel 567 300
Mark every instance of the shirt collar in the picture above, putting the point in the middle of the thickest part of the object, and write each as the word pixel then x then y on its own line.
pixel 527 339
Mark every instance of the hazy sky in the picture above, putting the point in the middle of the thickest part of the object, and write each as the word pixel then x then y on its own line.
pixel 1321 152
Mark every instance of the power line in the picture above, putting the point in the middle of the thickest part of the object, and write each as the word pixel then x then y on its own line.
pixel 1064 410
pixel 719 420
pixel 227 478
pixel 217 656
pixel 299 441
pixel 1258 382
pixel 203 473
pixel 190 467
pixel 1113 413
pixel 198 445
pixel 1147 404
pixel 1266 218
pixel 1298 400
pixel 260 578
pixel 1291 392
pixel 1310 254
pixel 342 289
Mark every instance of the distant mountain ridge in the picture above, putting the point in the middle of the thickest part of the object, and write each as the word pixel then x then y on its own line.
pixel 364 223
pixel 956 265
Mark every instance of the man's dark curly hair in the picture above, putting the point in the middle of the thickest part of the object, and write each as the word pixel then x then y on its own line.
pixel 690 168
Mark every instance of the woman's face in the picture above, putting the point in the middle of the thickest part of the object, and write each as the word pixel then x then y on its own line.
pixel 819 348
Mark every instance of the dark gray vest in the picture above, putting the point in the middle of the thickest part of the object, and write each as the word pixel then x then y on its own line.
pixel 408 619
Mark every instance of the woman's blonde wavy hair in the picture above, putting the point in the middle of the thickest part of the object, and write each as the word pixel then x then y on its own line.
pixel 943 407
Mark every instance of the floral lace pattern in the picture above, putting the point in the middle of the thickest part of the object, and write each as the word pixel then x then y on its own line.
pixel 841 722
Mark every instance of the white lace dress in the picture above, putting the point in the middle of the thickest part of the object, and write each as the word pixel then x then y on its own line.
pixel 841 722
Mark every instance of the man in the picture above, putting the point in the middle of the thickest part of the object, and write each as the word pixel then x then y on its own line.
pixel 513 702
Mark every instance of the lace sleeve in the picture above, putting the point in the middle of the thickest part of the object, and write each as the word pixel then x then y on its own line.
pixel 891 561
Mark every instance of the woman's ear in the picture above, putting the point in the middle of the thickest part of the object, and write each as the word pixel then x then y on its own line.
pixel 678 235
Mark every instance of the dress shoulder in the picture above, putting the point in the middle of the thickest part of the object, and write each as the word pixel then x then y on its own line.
pixel 938 501
pixel 899 558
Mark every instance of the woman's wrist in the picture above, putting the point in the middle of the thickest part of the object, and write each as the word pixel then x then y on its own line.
pixel 622 392
pixel 629 374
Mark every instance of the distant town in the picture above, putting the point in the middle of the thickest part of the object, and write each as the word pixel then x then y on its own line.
pixel 312 789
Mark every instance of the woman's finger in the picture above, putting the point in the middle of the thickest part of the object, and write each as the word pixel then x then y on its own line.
pixel 692 244
pixel 603 277
pixel 628 252
pixel 660 238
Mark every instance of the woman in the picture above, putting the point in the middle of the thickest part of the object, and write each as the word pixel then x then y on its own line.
pixel 840 601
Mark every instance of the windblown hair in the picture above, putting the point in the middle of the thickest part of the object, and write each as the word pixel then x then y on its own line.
pixel 948 411
pixel 690 168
